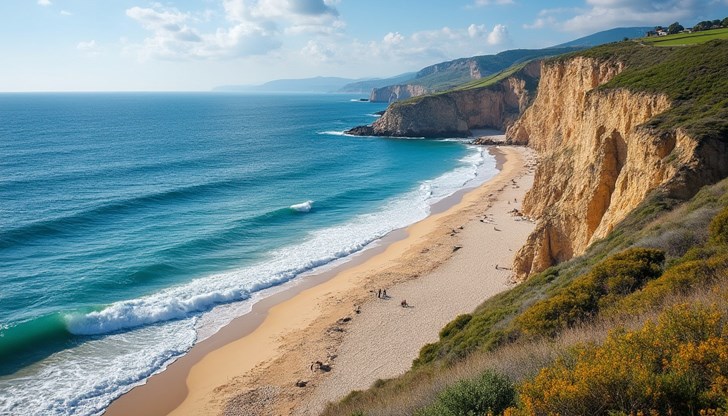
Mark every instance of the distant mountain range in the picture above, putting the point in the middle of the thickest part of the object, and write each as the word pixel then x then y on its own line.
pixel 437 77
pixel 315 84
pixel 607 36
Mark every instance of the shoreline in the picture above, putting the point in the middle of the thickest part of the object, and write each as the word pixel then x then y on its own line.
pixel 203 379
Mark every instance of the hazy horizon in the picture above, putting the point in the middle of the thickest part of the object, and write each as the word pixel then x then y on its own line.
pixel 189 46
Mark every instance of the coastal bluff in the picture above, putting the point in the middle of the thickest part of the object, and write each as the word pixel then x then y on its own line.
pixel 455 113
pixel 598 158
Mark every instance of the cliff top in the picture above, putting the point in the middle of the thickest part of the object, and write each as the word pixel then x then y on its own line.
pixel 694 77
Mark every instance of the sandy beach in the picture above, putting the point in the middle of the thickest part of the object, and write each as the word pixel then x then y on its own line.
pixel 446 265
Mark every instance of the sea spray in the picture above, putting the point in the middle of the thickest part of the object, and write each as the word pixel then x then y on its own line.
pixel 303 206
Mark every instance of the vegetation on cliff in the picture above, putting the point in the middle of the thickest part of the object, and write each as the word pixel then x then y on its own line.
pixel 695 78
pixel 652 329
pixel 638 324
pixel 445 76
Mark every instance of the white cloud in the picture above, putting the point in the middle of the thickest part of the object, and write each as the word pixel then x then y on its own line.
pixel 475 31
pixel 317 51
pixel 66 13
pixel 483 3
pixel 174 37
pixel 251 27
pixel 605 14
pixel 88 48
pixel 45 2
pixel 393 38
pixel 498 36
pixel 430 46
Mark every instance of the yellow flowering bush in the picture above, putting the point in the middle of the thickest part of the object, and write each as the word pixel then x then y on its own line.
pixel 677 365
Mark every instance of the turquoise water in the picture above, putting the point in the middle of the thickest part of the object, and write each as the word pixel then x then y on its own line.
pixel 125 219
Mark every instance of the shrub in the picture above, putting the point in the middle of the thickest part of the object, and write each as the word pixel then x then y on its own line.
pixel 490 393
pixel 697 272
pixel 719 228
pixel 455 325
pixel 608 281
pixel 677 365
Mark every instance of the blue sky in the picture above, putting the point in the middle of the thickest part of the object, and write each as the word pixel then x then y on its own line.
pixel 138 45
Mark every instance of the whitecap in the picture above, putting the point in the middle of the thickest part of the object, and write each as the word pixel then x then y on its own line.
pixel 302 207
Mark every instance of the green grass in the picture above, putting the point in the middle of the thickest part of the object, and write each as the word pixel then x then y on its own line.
pixel 476 84
pixel 687 38
pixel 696 80
pixel 459 72
pixel 490 80
pixel 491 337
pixel 694 77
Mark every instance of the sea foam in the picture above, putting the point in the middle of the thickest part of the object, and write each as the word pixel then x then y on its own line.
pixel 144 334
pixel 302 207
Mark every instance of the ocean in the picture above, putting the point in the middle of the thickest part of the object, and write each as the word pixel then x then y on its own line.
pixel 133 225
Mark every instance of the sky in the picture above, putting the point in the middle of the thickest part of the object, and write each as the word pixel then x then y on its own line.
pixel 195 45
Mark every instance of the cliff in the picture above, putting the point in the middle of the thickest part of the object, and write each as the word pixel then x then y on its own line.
pixel 598 158
pixel 392 93
pixel 447 75
pixel 496 103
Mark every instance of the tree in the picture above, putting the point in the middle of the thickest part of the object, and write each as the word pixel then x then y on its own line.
pixel 675 28
pixel 715 22
pixel 724 23
pixel 704 25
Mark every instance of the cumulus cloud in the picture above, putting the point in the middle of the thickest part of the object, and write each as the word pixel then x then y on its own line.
pixel 66 13
pixel 393 38
pixel 498 36
pixel 250 27
pixel 45 2
pixel 173 36
pixel 429 46
pixel 317 51
pixel 476 30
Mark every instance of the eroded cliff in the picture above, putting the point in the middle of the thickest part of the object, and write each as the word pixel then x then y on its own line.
pixel 598 161
pixel 457 112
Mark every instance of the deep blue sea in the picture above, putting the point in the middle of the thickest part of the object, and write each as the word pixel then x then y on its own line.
pixel 134 225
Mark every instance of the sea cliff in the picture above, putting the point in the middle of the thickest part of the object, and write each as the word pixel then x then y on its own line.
pixel 598 160
pixel 455 113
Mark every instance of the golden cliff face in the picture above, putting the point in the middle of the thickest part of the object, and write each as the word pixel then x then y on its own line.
pixel 596 162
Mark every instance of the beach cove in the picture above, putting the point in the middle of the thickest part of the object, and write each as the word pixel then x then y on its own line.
pixel 446 265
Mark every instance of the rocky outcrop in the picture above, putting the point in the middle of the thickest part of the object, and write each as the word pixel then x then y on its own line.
pixel 597 159
pixel 455 113
pixel 392 93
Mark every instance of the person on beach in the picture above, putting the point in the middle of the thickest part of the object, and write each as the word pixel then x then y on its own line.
pixel 379 293
pixel 404 303
pixel 384 294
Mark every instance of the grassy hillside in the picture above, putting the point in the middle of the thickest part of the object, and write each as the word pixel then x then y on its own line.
pixel 681 39
pixel 543 335
pixel 695 77
pixel 478 83
pixel 447 75
pixel 636 325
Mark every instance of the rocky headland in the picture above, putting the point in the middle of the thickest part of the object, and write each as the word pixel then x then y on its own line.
pixel 456 113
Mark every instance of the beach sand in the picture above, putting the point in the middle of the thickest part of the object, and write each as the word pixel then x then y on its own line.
pixel 445 266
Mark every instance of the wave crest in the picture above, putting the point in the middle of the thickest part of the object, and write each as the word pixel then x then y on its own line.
pixel 303 206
